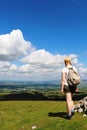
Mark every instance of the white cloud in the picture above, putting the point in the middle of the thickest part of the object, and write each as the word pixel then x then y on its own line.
pixel 44 65
pixel 13 46
pixel 35 64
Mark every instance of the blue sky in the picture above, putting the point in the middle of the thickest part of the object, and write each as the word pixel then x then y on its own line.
pixel 36 35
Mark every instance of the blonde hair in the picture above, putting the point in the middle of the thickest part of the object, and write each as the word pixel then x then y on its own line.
pixel 67 61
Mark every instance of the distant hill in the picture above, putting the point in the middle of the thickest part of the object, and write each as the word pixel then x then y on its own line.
pixel 35 84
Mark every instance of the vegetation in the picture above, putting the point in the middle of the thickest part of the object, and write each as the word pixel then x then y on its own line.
pixel 39 95
pixel 44 110
pixel 45 115
pixel 25 106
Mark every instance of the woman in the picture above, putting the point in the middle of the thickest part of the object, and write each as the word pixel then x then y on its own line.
pixel 66 89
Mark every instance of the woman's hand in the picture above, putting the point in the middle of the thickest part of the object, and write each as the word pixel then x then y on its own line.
pixel 62 92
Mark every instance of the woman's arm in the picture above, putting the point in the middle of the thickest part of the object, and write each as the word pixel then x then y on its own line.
pixel 62 82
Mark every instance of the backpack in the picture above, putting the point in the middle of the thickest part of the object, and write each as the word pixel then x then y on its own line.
pixel 73 77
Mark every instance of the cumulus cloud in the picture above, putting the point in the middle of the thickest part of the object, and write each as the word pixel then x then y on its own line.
pixel 44 64
pixel 20 60
pixel 13 46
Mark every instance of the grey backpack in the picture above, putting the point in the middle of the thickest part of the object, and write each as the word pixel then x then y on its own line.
pixel 73 77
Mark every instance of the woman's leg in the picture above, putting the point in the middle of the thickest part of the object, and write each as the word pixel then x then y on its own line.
pixel 69 103
pixel 73 106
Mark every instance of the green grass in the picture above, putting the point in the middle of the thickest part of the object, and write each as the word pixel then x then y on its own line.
pixel 45 115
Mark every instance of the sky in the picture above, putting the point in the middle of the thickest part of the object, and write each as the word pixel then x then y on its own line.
pixel 37 35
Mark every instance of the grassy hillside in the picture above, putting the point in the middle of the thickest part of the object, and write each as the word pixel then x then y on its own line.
pixel 44 109
pixel 45 115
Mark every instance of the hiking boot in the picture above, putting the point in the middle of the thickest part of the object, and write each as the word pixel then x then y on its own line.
pixel 68 117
